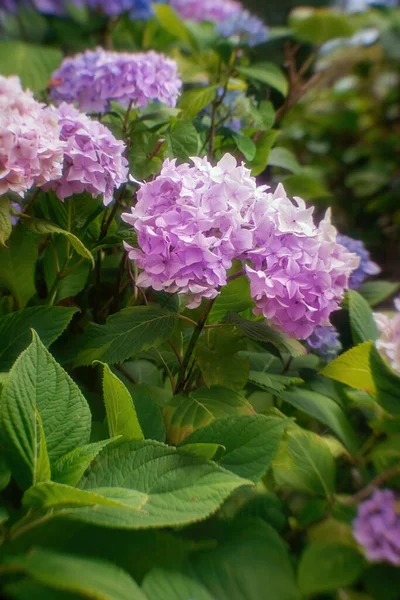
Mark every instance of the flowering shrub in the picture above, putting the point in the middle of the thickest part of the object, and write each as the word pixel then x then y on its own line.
pixel 199 373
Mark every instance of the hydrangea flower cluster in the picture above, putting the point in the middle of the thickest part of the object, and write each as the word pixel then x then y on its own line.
pixel 229 15
pixel 137 9
pixel 31 152
pixel 324 342
pixel 377 528
pixel 389 342
pixel 366 268
pixel 192 221
pixel 95 77
pixel 93 157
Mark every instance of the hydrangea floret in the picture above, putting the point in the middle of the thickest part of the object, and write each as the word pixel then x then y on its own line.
pixel 388 343
pixel 94 78
pixel 192 221
pixel 377 528
pixel 366 267
pixel 93 157
pixel 324 342
pixel 31 152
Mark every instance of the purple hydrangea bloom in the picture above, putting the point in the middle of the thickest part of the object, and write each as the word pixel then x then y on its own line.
pixel 94 78
pixel 31 152
pixel 137 9
pixel 193 220
pixel 299 272
pixel 366 268
pixel 324 342
pixel 377 528
pixel 93 157
pixel 188 222
pixel 389 342
pixel 230 16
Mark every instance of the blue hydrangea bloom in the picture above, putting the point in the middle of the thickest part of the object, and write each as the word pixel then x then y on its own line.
pixel 324 342
pixel 366 268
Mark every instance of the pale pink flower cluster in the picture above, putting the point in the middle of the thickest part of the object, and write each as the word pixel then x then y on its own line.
pixel 192 221
pixel 31 152
pixel 389 342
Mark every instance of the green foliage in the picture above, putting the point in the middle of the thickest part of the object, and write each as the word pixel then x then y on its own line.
pixel 34 64
pixel 17 266
pixel 363 327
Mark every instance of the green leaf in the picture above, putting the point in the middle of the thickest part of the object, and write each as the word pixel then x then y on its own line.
pixel 245 145
pixel 261 332
pixel 267 73
pixel 15 329
pixel 376 292
pixel 125 334
pixel 122 419
pixel 69 469
pixel 5 220
pixel 5 476
pixel 96 579
pixel 140 484
pixel 164 584
pixel 326 567
pixel 17 266
pixel 352 368
pixel 38 386
pixel 146 399
pixel 74 282
pixel 192 102
pixel 235 296
pixel 42 227
pixel 250 442
pixel 171 22
pixel 42 470
pixel 305 186
pixel 319 25
pixel 206 451
pixel 283 158
pixel 387 383
pixel 263 148
pixel 182 139
pixel 304 462
pixel 251 563
pixel 271 382
pixel 326 411
pixel 185 414
pixel 33 64
pixel 363 326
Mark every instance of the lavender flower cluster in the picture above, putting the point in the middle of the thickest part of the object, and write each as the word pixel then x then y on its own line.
pixel 137 9
pixel 366 267
pixel 230 16
pixel 95 77
pixel 377 528
pixel 324 342
pixel 389 342
pixel 192 221
pixel 58 148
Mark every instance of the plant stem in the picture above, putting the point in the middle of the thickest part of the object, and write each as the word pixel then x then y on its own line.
pixel 190 349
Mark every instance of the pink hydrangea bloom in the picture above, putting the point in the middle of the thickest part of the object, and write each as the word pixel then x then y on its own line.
pixel 95 77
pixel 192 221
pixel 298 271
pixel 189 224
pixel 207 10
pixel 31 152
pixel 389 342
pixel 93 157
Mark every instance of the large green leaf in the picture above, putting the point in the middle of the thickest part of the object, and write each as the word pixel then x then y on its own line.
pixel 271 382
pixel 263 149
pixel 38 388
pixel 251 563
pixel 363 326
pixel 194 101
pixel 250 442
pixel 125 334
pixel 185 414
pixel 33 64
pixel 304 462
pixel 140 484
pixel 261 332
pixel 387 383
pixel 325 410
pixel 90 578
pixel 5 220
pixel 352 368
pixel 171 22
pixel 17 266
pixel 182 140
pixel 306 186
pixel 283 158
pixel 77 276
pixel 326 567
pixel 267 73
pixel 376 292
pixel 319 25
pixel 165 584
pixel 15 329
pixel 147 399
pixel 235 296
pixel 69 469
pixel 122 419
